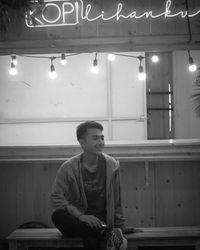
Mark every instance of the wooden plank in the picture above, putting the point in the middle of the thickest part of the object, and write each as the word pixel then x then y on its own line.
pixel 164 243
pixel 38 233
pixel 138 194
pixel 150 149
pixel 13 245
pixel 177 196
pixel 197 246
pixel 149 232
pixel 157 232
pixel 65 243
pixel 126 34
pixel 8 211
pixel 162 236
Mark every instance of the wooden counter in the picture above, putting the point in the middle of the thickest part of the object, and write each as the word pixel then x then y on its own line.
pixel 152 150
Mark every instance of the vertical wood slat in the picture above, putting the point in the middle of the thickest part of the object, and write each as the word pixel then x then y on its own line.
pixel 138 206
pixel 13 245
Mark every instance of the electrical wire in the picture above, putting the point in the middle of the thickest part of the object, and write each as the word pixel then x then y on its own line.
pixel 188 21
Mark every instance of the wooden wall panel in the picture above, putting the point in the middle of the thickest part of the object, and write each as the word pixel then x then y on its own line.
pixel 177 188
pixel 158 189
pixel 129 34
pixel 24 191
pixel 8 207
pixel 171 197
pixel 138 194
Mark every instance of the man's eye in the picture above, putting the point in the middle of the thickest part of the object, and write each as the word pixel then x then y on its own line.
pixel 97 138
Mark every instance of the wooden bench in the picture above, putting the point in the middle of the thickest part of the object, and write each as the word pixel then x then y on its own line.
pixel 23 239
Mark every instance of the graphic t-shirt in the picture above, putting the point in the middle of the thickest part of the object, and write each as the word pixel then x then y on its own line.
pixel 95 189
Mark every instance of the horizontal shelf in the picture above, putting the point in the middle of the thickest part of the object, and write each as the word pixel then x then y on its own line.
pixel 160 109
pixel 160 93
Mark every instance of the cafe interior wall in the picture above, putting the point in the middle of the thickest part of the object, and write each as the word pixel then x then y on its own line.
pixel 33 108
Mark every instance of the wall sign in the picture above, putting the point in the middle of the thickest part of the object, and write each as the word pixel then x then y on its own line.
pixel 72 13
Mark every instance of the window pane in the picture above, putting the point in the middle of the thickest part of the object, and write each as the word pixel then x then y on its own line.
pixel 128 130
pixel 127 90
pixel 76 92
pixel 41 133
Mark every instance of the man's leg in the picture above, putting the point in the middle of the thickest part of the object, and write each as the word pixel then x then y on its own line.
pixel 71 226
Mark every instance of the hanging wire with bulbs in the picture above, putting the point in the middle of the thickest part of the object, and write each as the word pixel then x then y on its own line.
pixel 141 73
pixel 52 73
pixel 95 68
pixel 111 56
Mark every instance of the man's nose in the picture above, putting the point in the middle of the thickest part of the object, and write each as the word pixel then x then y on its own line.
pixel 101 141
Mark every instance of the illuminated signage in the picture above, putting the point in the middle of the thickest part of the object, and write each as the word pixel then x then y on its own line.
pixel 71 13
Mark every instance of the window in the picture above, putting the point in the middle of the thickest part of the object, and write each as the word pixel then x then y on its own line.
pixel 160 97
pixel 37 110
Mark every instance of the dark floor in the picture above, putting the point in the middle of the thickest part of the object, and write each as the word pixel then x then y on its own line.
pixel 169 248
pixel 4 246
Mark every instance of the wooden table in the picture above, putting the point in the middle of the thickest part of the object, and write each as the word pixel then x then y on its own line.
pixel 23 239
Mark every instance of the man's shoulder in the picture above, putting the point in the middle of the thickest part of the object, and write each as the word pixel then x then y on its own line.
pixel 111 160
pixel 71 162
pixel 73 159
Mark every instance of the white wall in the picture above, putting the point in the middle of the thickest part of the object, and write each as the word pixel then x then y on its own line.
pixel 187 123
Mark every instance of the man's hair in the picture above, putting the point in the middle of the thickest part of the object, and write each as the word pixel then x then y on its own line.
pixel 82 128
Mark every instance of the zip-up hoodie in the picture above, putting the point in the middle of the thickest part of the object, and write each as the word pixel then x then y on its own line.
pixel 68 190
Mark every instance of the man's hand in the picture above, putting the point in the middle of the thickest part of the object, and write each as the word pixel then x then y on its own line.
pixel 91 220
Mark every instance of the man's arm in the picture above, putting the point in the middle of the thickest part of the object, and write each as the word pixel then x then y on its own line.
pixel 58 198
pixel 119 215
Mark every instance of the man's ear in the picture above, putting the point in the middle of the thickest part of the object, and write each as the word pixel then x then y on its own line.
pixel 81 142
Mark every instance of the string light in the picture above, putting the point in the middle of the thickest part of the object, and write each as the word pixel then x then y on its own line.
pixel 192 67
pixel 12 70
pixel 52 73
pixel 14 60
pixel 141 74
pixel 111 57
pixel 95 69
pixel 63 59
pixel 154 58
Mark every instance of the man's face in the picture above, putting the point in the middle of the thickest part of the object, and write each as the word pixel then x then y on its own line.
pixel 93 141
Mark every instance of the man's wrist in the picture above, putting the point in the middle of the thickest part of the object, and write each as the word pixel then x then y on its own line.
pixel 79 217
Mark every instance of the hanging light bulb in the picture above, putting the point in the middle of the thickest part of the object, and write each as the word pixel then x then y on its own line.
pixel 95 69
pixel 12 70
pixel 63 59
pixel 192 67
pixel 111 57
pixel 52 72
pixel 141 74
pixel 154 58
pixel 14 60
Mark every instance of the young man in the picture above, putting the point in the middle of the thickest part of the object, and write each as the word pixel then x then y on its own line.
pixel 86 195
